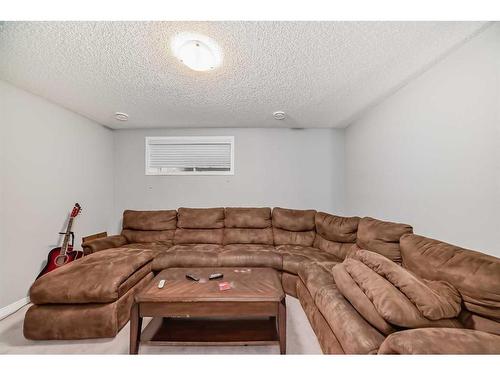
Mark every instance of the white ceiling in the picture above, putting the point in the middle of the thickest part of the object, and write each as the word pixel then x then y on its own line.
pixel 322 74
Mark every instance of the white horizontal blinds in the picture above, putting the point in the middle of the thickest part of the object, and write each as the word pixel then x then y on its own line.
pixel 169 155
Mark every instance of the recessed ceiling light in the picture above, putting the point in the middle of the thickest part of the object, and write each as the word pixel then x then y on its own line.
pixel 120 116
pixel 279 115
pixel 196 51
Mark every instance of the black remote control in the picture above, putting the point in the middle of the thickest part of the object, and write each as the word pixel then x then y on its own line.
pixel 192 277
pixel 215 276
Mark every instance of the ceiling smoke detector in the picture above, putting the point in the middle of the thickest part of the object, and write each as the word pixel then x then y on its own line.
pixel 120 116
pixel 279 115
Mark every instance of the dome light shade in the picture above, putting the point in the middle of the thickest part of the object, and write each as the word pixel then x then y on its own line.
pixel 198 52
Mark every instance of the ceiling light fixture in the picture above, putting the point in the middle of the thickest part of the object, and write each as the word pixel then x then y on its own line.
pixel 120 116
pixel 279 115
pixel 196 51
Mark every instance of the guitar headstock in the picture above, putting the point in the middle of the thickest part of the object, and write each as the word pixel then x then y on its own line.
pixel 76 210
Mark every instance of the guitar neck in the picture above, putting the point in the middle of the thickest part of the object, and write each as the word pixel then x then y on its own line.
pixel 64 247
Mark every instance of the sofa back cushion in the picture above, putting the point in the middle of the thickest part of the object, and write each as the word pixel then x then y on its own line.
pixel 199 225
pixel 335 234
pixel 382 237
pixel 198 236
pixel 200 218
pixel 150 220
pixel 149 226
pixel 475 275
pixel 293 227
pixel 248 226
pixel 336 228
pixel 435 299
pixel 147 236
pixel 390 303
pixel 247 217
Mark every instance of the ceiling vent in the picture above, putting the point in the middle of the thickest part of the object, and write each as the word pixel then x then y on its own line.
pixel 279 115
pixel 120 116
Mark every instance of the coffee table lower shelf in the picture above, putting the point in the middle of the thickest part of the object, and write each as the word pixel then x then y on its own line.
pixel 210 332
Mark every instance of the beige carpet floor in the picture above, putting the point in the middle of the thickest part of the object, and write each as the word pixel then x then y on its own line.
pixel 300 340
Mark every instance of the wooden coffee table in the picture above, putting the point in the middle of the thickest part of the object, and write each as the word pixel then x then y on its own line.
pixel 185 312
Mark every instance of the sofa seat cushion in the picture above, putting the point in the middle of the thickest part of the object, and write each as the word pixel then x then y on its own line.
pixel 246 255
pixel 441 341
pixel 95 278
pixel 200 247
pixel 315 276
pixel 156 247
pixel 294 255
pixel 478 322
pixel 196 255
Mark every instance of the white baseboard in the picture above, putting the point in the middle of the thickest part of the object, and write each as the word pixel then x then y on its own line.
pixel 13 307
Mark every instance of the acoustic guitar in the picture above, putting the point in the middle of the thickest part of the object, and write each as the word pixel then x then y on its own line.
pixel 60 256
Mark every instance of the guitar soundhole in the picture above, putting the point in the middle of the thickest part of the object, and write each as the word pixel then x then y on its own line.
pixel 61 260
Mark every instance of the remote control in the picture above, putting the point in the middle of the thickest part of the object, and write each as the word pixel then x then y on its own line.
pixel 192 277
pixel 161 284
pixel 215 276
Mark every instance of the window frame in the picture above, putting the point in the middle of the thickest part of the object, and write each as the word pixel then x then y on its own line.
pixel 189 139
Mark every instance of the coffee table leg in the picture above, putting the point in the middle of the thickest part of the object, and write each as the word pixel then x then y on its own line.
pixel 135 329
pixel 282 325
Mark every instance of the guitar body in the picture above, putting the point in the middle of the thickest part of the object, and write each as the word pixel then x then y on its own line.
pixel 57 259
pixel 60 256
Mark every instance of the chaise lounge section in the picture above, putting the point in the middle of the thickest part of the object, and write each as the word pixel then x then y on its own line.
pixel 90 298
pixel 312 251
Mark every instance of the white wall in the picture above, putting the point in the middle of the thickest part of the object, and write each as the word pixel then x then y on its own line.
pixel 274 167
pixel 430 154
pixel 50 158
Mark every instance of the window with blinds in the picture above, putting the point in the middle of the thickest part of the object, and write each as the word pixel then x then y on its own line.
pixel 189 155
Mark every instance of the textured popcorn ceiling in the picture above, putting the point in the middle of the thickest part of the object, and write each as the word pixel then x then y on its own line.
pixel 322 74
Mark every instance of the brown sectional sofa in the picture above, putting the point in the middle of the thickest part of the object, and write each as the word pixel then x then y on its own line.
pixel 319 256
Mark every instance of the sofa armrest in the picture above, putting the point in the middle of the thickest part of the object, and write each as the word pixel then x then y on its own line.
pixel 441 341
pixel 99 244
